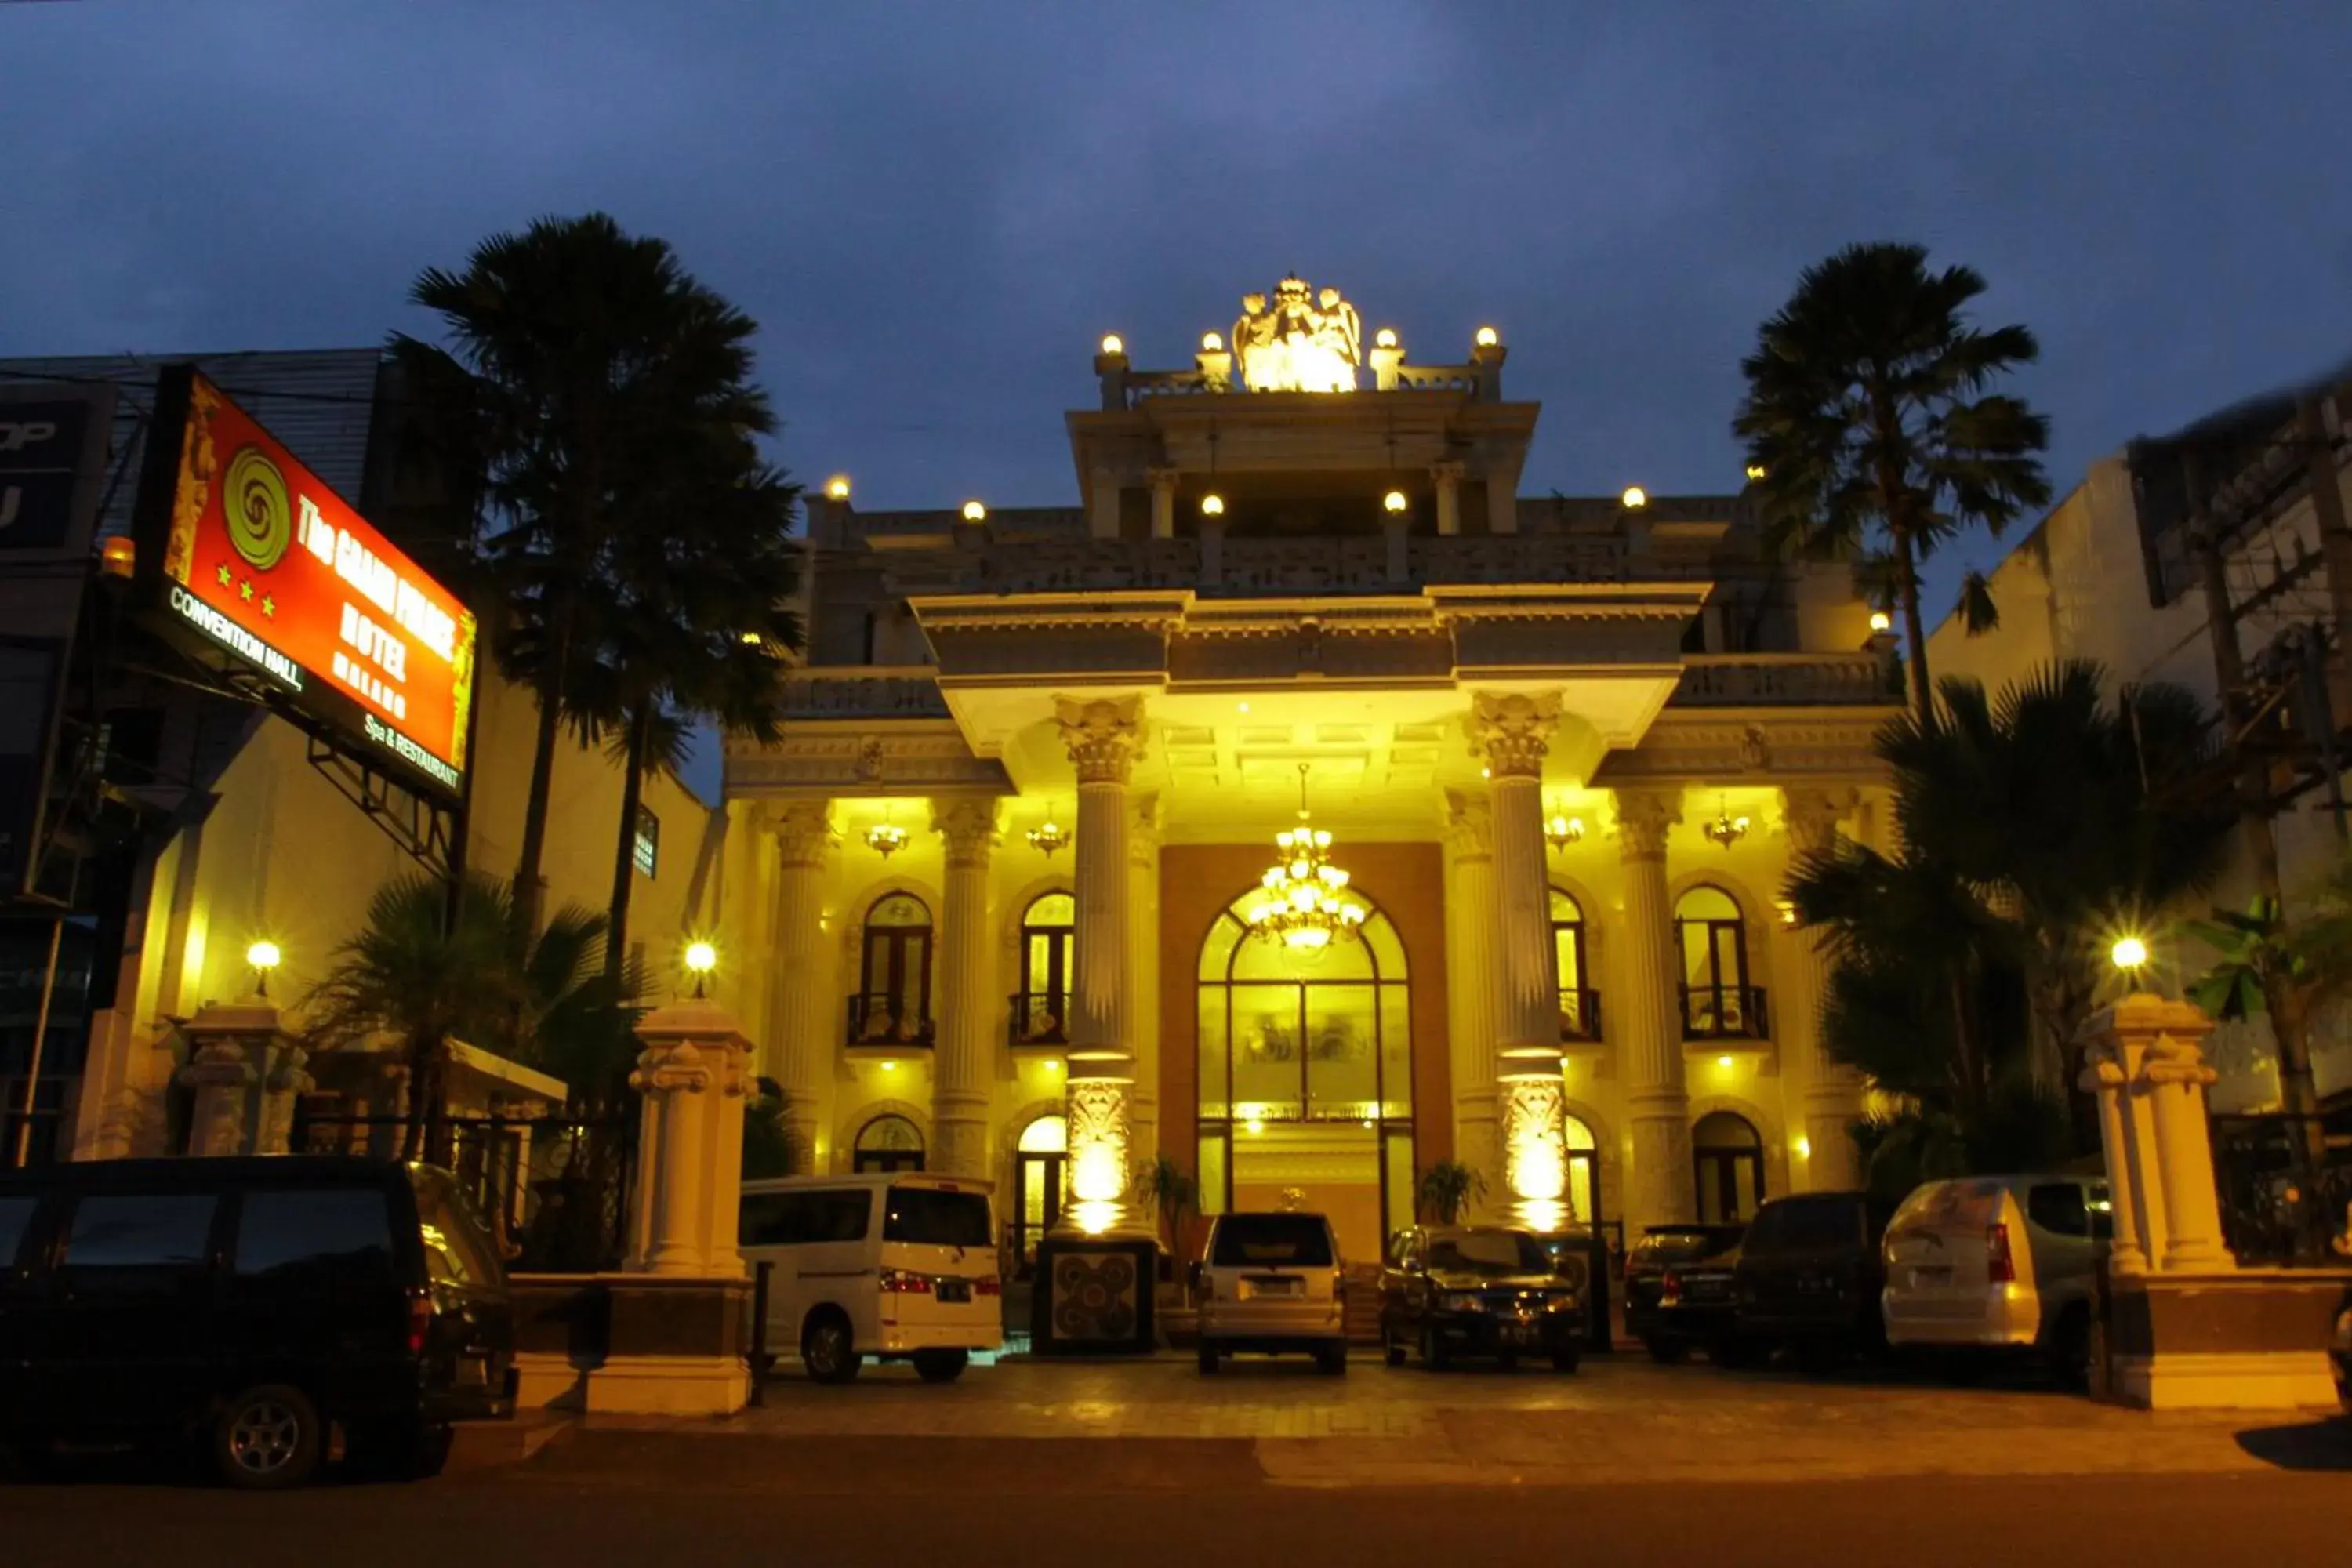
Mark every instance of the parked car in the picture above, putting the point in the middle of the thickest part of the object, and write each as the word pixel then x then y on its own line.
pixel 1580 1257
pixel 253 1305
pixel 2339 1352
pixel 1999 1263
pixel 1480 1289
pixel 899 1266
pixel 1697 1306
pixel 1809 1277
pixel 1662 1247
pixel 1271 1283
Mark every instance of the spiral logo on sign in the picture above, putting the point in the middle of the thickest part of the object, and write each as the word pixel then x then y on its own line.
pixel 252 502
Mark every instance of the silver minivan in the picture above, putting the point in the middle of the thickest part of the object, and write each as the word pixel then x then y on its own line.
pixel 1998 1263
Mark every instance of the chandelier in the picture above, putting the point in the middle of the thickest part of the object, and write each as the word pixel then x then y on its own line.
pixel 1303 900
pixel 1049 837
pixel 1725 829
pixel 885 837
pixel 1561 832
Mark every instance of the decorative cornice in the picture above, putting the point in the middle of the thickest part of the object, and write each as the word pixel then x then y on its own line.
pixel 1103 735
pixel 803 830
pixel 1643 817
pixel 1511 733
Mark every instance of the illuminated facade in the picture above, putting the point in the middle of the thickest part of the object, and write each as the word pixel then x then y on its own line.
pixel 1565 750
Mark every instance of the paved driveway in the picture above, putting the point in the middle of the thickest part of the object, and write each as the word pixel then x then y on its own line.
pixel 1618 1419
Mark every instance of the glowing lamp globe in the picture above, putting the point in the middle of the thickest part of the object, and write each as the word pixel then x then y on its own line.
pixel 974 511
pixel 1636 498
pixel 837 486
pixel 2130 953
pixel 1210 342
pixel 1393 502
pixel 1880 620
pixel 1488 337
pixel 1113 343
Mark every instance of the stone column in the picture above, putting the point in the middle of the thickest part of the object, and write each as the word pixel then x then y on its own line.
pixel 1511 733
pixel 2176 1075
pixel 1648 1024
pixel 1103 736
pixel 1143 971
pixel 1470 967
pixel 1163 502
pixel 246 1071
pixel 1448 477
pixel 804 1003
pixel 695 1074
pixel 1832 1091
pixel 2143 1059
pixel 973 1014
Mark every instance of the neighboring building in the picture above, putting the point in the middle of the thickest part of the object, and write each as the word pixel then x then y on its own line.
pixel 220 824
pixel 1031 775
pixel 2113 574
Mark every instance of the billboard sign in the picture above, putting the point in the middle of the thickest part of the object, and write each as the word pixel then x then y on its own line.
pixel 52 464
pixel 250 560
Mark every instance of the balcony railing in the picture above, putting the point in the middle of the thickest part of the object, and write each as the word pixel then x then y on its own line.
pixel 864 691
pixel 1580 1013
pixel 878 1018
pixel 1860 680
pixel 1724 1012
pixel 1040 1018
pixel 1219 567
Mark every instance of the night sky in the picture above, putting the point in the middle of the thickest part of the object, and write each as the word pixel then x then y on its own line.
pixel 935 210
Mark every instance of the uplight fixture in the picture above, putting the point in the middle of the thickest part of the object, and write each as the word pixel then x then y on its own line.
pixel 1560 832
pixel 1725 829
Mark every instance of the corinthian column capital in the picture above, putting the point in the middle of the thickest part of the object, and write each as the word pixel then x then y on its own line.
pixel 1469 825
pixel 1812 817
pixel 803 830
pixel 1510 733
pixel 967 823
pixel 1644 816
pixel 1104 735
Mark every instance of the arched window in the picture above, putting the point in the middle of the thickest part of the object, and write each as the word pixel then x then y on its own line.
pixel 1580 1006
pixel 1049 940
pixel 1717 1001
pixel 1037 1180
pixel 1583 1173
pixel 1727 1160
pixel 887 1143
pixel 894 1007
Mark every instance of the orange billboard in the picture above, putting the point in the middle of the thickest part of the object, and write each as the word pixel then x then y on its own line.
pixel 261 561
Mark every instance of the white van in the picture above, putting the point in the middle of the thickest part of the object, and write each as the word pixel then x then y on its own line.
pixel 1998 1262
pixel 899 1267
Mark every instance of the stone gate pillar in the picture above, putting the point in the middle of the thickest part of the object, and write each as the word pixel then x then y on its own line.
pixel 246 1072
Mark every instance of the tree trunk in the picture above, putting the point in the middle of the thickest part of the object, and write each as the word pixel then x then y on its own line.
pixel 420 1095
pixel 1915 632
pixel 526 890
pixel 625 854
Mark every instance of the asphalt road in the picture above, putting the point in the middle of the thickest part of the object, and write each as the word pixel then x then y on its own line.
pixel 702 1502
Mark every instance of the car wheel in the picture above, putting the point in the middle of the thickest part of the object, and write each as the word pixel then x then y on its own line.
pixel 1666 1351
pixel 1391 1347
pixel 1332 1360
pixel 2068 1353
pixel 941 1366
pixel 1564 1360
pixel 827 1351
pixel 1433 1354
pixel 267 1437
pixel 1207 1359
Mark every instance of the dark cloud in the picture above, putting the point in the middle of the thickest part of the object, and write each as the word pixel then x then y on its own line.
pixel 936 209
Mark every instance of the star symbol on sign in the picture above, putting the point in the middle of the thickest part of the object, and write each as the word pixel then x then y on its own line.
pixel 222 572
pixel 245 590
pixel 268 606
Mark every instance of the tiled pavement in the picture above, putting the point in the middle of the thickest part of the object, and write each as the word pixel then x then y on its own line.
pixel 1616 1419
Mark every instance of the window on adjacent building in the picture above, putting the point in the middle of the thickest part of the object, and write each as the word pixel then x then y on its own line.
pixel 1717 1001
pixel 648 846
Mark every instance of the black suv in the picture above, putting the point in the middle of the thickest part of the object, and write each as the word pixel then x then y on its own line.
pixel 1669 1333
pixel 1477 1291
pixel 251 1304
pixel 1810 1276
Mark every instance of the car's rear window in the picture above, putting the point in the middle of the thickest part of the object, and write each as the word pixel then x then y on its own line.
pixel 1807 1223
pixel 1300 1241
pixel 1685 1246
pixel 16 1219
pixel 457 1251
pixel 327 1236
pixel 926 1216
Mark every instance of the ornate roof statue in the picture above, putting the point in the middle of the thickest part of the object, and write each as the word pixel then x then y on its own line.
pixel 1305 342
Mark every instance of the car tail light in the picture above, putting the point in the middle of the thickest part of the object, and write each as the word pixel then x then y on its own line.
pixel 420 1319
pixel 988 1285
pixel 903 1282
pixel 2001 1268
pixel 1670 1293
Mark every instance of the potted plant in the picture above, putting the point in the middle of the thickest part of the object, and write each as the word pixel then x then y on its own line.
pixel 1447 1191
pixel 1169 1191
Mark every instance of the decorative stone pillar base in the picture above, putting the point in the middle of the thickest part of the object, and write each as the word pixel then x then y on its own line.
pixel 636 1345
pixel 694 1073
pixel 2239 1340
pixel 246 1072
pixel 1095 1295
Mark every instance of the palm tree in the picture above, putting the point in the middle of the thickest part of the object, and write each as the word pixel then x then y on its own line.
pixel 597 366
pixel 1868 414
pixel 428 976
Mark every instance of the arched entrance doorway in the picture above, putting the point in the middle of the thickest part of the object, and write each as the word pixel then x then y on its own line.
pixel 888 1143
pixel 1037 1179
pixel 1728 1156
pixel 1305 1078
